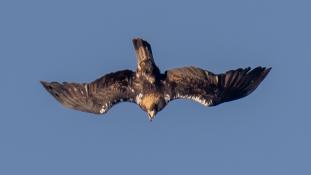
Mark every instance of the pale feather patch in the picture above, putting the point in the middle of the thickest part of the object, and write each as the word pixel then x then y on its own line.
pixel 142 53
pixel 86 88
pixel 167 98
pixel 102 110
pixel 216 78
pixel 105 108
pixel 132 90
pixel 138 98
pixel 196 99
pixel 137 74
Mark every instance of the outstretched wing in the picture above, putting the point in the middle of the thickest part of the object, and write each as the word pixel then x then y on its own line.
pixel 212 89
pixel 95 97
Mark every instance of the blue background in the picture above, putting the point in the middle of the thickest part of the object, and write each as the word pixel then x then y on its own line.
pixel 267 132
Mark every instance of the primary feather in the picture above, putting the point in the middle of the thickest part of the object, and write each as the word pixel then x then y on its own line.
pixel 95 97
pixel 212 89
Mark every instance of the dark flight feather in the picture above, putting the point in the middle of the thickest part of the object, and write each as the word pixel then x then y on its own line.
pixel 95 97
pixel 212 89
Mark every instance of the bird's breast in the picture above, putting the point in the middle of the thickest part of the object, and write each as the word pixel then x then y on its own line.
pixel 147 101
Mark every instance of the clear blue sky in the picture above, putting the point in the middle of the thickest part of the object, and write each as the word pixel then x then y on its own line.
pixel 267 132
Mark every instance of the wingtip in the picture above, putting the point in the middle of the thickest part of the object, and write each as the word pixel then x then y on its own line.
pixel 262 69
pixel 269 69
pixel 44 83
pixel 266 71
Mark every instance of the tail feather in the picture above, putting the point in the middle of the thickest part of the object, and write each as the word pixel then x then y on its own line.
pixel 142 49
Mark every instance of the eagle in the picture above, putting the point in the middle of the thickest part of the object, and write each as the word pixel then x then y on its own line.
pixel 152 90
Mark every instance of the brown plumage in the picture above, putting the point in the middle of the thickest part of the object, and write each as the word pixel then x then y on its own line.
pixel 152 90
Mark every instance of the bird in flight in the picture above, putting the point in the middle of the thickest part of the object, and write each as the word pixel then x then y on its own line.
pixel 152 90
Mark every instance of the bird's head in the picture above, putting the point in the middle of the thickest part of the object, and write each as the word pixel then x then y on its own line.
pixel 153 104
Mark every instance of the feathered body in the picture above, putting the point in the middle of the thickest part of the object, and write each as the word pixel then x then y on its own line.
pixel 152 90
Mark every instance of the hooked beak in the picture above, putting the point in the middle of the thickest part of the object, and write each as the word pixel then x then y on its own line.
pixel 151 115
